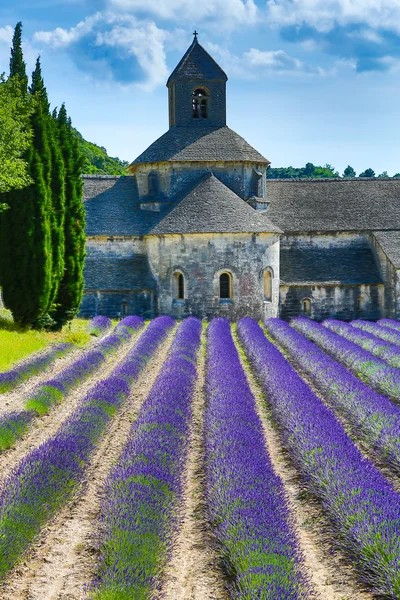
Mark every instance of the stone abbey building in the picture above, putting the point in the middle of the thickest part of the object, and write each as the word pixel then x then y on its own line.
pixel 197 229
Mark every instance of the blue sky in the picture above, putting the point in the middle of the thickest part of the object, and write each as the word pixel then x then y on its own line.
pixel 309 80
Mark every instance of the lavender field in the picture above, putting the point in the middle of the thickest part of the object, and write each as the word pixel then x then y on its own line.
pixel 194 461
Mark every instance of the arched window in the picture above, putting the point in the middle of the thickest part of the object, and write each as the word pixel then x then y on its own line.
pixel 225 286
pixel 360 303
pixel 153 181
pixel 268 286
pixel 124 309
pixel 199 104
pixel 179 283
pixel 307 306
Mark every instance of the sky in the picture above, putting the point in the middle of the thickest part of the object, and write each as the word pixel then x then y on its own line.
pixel 309 80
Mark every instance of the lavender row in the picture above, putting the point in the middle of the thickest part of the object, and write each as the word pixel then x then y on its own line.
pixel 45 479
pixel 32 366
pixel 245 498
pixel 385 350
pixel 386 333
pixel 389 323
pixel 363 507
pixel 373 418
pixel 53 390
pixel 371 369
pixel 138 516
pixel 99 325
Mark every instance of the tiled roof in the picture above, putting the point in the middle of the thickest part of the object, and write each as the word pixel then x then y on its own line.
pixel 334 204
pixel 107 273
pixel 389 241
pixel 353 264
pixel 211 207
pixel 186 143
pixel 197 64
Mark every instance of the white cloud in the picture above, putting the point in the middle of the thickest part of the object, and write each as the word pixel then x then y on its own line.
pixel 224 14
pixel 126 35
pixel 6 35
pixel 255 63
pixel 323 15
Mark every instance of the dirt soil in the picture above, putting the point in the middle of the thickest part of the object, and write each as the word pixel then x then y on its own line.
pixel 329 572
pixel 64 559
pixel 193 572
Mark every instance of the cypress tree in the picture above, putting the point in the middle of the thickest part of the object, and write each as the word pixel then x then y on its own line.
pixel 17 64
pixel 71 287
pixel 26 252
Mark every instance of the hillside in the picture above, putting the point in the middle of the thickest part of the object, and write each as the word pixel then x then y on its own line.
pixel 97 161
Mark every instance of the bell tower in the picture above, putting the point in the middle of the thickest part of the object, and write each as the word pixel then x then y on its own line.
pixel 197 90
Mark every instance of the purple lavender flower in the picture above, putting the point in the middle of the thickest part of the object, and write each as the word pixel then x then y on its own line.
pixel 142 491
pixel 31 366
pixel 245 498
pixel 391 334
pixel 132 322
pixel 45 479
pixel 371 369
pixel 391 323
pixel 363 507
pixel 99 325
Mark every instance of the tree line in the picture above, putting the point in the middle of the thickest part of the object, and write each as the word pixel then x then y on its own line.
pixel 317 172
pixel 42 219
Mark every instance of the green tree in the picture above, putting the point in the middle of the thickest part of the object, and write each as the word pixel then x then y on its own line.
pixel 396 175
pixel 15 135
pixel 367 173
pixel 71 287
pixel 26 251
pixel 17 64
pixel 349 172
pixel 383 175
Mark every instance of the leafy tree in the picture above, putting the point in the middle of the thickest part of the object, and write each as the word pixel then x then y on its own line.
pixel 96 160
pixel 384 174
pixel 396 175
pixel 367 173
pixel 15 136
pixel 70 291
pixel 349 172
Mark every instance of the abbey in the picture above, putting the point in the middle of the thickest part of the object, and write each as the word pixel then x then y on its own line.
pixel 197 228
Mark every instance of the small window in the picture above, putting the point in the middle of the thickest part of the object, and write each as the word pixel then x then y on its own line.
pixel 225 286
pixel 199 104
pixel 268 286
pixel 307 306
pixel 124 309
pixel 153 181
pixel 179 282
pixel 360 303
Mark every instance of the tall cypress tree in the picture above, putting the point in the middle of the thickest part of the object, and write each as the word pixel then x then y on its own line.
pixel 26 253
pixel 17 64
pixel 55 180
pixel 71 287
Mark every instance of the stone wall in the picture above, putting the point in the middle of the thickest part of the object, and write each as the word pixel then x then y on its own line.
pixel 201 258
pixel 391 278
pixel 180 103
pixel 175 179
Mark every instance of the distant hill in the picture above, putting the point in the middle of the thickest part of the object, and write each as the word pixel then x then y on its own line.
pixel 97 161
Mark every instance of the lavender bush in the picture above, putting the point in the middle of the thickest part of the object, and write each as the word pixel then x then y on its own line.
pixel 32 366
pixel 385 350
pixel 371 369
pixel 372 417
pixel 389 323
pixel 45 479
pixel 363 507
pixel 99 325
pixel 144 488
pixel 245 498
pixel 12 426
pixel 132 323
pixel 52 391
pixel 389 334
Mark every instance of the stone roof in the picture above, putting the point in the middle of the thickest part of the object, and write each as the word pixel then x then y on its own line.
pixel 389 241
pixel 105 273
pixel 196 63
pixel 211 207
pixel 187 143
pixel 353 264
pixel 360 204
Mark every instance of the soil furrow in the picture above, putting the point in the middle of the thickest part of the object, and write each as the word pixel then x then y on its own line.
pixel 45 426
pixel 330 573
pixel 193 571
pixel 65 557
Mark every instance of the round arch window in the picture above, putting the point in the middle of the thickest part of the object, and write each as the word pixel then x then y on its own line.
pixel 225 286
pixel 199 104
